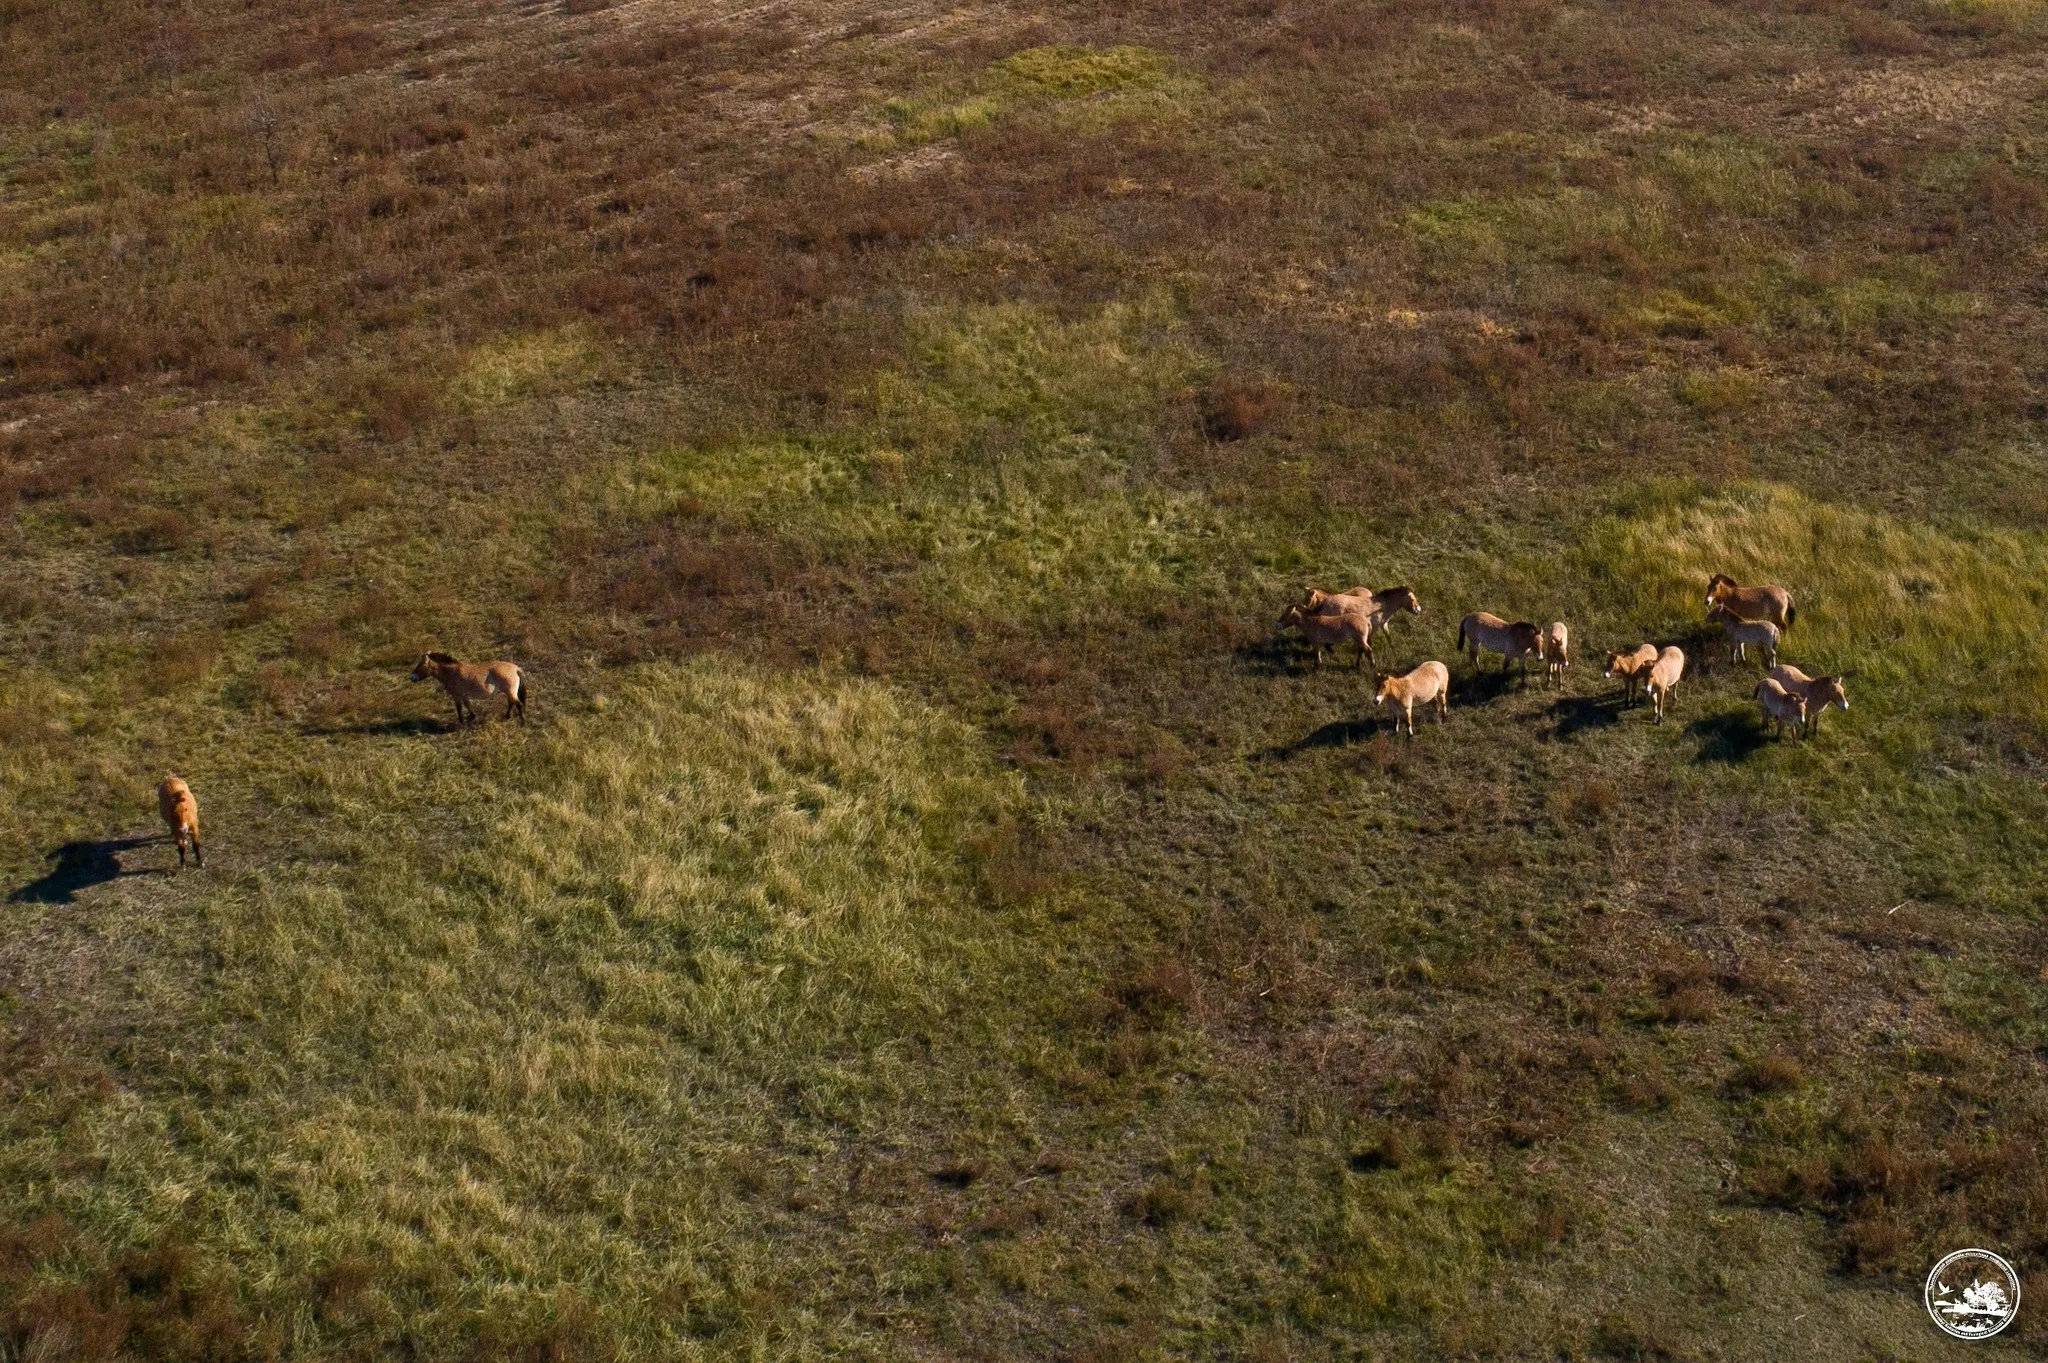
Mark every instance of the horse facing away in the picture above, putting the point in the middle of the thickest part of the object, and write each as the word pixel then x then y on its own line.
pixel 1752 603
pixel 1781 707
pixel 1556 643
pixel 1481 632
pixel 1664 676
pixel 180 811
pixel 467 683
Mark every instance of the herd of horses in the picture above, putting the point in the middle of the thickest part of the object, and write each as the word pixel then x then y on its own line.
pixel 1751 617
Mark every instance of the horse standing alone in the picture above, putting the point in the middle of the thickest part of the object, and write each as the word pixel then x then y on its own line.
pixel 467 683
pixel 180 811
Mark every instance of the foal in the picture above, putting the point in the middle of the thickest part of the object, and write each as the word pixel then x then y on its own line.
pixel 468 683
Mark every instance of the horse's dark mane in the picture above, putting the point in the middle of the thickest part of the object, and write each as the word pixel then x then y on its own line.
pixel 438 656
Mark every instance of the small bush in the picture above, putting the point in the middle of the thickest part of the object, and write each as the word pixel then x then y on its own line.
pixel 1773 1074
pixel 1237 409
pixel 157 533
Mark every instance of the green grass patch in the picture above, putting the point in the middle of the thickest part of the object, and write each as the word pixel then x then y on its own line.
pixel 1035 76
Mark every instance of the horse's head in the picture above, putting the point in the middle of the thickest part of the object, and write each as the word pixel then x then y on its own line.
pixel 1291 616
pixel 1614 661
pixel 1827 691
pixel 1386 689
pixel 1405 598
pixel 430 663
pixel 1718 586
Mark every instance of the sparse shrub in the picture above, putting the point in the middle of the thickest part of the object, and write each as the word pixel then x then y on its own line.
pixel 1775 1073
pixel 317 642
pixel 397 406
pixel 159 532
pixel 1234 408
pixel 1170 1200
pixel 1391 1151
pixel 1874 35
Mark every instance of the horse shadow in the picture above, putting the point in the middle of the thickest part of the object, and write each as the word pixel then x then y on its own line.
pixel 1338 733
pixel 1576 714
pixel 1485 687
pixel 382 728
pixel 80 866
pixel 1730 737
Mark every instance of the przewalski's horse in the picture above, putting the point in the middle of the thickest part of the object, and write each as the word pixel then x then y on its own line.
pixel 1743 632
pixel 1781 707
pixel 1818 692
pixel 1327 631
pixel 1664 675
pixel 468 683
pixel 1752 603
pixel 1556 644
pixel 1380 607
pixel 1631 668
pixel 1429 684
pixel 180 811
pixel 1481 632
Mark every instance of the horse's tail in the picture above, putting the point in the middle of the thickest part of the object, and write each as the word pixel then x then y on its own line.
pixel 1791 614
pixel 1461 636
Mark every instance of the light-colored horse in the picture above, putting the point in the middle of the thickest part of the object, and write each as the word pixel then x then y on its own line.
pixel 1752 603
pixel 1632 668
pixel 1664 676
pixel 1379 607
pixel 1782 707
pixel 468 683
pixel 1481 632
pixel 1819 693
pixel 180 811
pixel 1429 684
pixel 1743 633
pixel 1556 645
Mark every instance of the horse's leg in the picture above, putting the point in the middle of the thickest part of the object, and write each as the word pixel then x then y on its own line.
pixel 198 853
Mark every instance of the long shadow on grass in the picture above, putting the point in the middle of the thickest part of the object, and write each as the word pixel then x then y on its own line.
pixel 1730 737
pixel 1576 714
pixel 80 866
pixel 1484 687
pixel 382 728
pixel 1339 733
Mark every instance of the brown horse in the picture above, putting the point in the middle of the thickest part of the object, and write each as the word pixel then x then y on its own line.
pixel 1377 608
pixel 1752 603
pixel 180 811
pixel 468 683
pixel 1482 632
pixel 1327 631
pixel 1631 668
pixel 1819 693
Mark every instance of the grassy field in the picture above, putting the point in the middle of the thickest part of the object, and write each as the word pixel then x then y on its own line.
pixel 930 914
